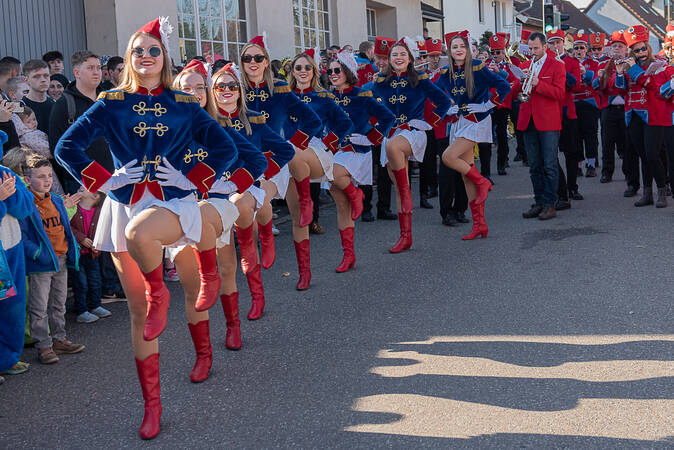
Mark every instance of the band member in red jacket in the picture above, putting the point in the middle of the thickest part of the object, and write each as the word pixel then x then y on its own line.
pixel 541 120
pixel 568 136
pixel 587 106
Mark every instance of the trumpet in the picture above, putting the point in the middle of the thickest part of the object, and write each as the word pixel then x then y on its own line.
pixel 525 95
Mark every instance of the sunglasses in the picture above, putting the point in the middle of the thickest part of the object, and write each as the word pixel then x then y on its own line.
pixel 597 49
pixel 250 58
pixel 153 51
pixel 495 52
pixel 580 47
pixel 222 87
pixel 336 71
pixel 640 49
pixel 308 68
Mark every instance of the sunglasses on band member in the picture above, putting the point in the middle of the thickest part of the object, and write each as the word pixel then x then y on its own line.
pixel 222 87
pixel 579 47
pixel 153 51
pixel 308 68
pixel 640 49
pixel 336 71
pixel 495 52
pixel 250 58
pixel 597 49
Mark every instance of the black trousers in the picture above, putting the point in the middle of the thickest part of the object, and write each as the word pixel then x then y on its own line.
pixel 485 158
pixel 588 125
pixel 519 135
pixel 669 147
pixel 451 190
pixel 570 145
pixel 631 162
pixel 380 176
pixel 648 141
pixel 613 130
pixel 315 191
pixel 428 169
pixel 500 120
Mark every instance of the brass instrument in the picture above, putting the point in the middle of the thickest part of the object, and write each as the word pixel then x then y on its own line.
pixel 527 86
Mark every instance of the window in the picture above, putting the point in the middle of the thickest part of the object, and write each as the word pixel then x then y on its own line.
pixel 214 29
pixel 311 24
pixel 371 24
pixel 480 10
pixel 497 16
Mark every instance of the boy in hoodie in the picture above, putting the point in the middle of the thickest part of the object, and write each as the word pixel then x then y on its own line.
pixel 49 246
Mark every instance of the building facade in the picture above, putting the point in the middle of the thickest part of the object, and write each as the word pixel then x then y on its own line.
pixel 621 14
pixel 478 16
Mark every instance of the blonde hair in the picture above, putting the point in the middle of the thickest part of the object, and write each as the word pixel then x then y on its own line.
pixel 467 65
pixel 240 103
pixel 210 103
pixel 15 159
pixel 130 82
pixel 268 75
pixel 315 80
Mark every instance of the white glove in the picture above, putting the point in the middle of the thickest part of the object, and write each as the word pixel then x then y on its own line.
pixel 359 139
pixel 127 174
pixel 223 186
pixel 480 107
pixel 171 176
pixel 453 110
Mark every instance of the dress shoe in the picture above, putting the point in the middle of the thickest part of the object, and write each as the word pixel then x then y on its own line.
pixel 562 205
pixel 606 179
pixel 502 171
pixel 661 201
pixel 450 220
pixel 575 195
pixel 631 191
pixel 386 215
pixel 518 157
pixel 432 193
pixel 646 198
pixel 367 216
pixel 534 211
pixel 461 217
pixel 424 203
pixel 316 228
pixel 591 172
pixel 548 213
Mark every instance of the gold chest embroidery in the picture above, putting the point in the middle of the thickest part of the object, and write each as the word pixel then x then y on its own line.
pixel 141 108
pixel 142 127
pixel 200 155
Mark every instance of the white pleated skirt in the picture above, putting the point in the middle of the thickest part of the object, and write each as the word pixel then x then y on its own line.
pixel 115 217
pixel 473 131
pixel 326 158
pixel 281 181
pixel 417 140
pixel 359 165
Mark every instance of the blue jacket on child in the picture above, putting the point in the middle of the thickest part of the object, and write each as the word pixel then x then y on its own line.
pixel 39 253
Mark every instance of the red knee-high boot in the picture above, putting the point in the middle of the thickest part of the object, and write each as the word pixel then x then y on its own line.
pixel 210 280
pixel 148 375
pixel 247 248
pixel 479 223
pixel 201 338
pixel 355 196
pixel 405 240
pixel 481 183
pixel 303 264
pixel 158 300
pixel 267 245
pixel 349 258
pixel 254 279
pixel 230 306
pixel 404 191
pixel 306 204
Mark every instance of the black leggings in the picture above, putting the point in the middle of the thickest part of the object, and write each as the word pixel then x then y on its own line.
pixel 648 141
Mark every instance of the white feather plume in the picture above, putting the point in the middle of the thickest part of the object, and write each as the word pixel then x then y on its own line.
pixel 236 71
pixel 349 61
pixel 412 44
pixel 165 30
pixel 209 76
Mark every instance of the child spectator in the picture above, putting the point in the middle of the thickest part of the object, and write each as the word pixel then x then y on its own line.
pixel 49 246
pixel 34 139
pixel 87 285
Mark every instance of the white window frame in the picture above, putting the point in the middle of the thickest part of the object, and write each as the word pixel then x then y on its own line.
pixel 225 42
pixel 303 44
pixel 480 10
pixel 371 15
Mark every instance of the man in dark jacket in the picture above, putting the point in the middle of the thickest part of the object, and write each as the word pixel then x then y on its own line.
pixel 78 96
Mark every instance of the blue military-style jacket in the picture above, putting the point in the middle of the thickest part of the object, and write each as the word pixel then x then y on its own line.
pixel 407 102
pixel 278 107
pixel 455 86
pixel 148 126
pixel 363 109
pixel 276 149
pixel 336 125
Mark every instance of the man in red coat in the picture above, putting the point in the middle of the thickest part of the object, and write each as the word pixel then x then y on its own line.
pixel 541 120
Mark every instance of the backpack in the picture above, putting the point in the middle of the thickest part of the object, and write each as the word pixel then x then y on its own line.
pixel 70 104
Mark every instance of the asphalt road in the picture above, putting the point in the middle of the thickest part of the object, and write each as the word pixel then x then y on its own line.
pixel 544 335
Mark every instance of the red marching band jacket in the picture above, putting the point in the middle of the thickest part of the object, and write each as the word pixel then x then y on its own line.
pixel 572 67
pixel 547 98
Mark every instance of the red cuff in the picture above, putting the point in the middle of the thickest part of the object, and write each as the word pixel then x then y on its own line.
pixel 495 99
pixel 375 136
pixel 300 140
pixel 202 176
pixel 243 179
pixel 94 176
pixel 331 141
pixel 373 120
pixel 435 119
pixel 272 166
pixel 348 148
